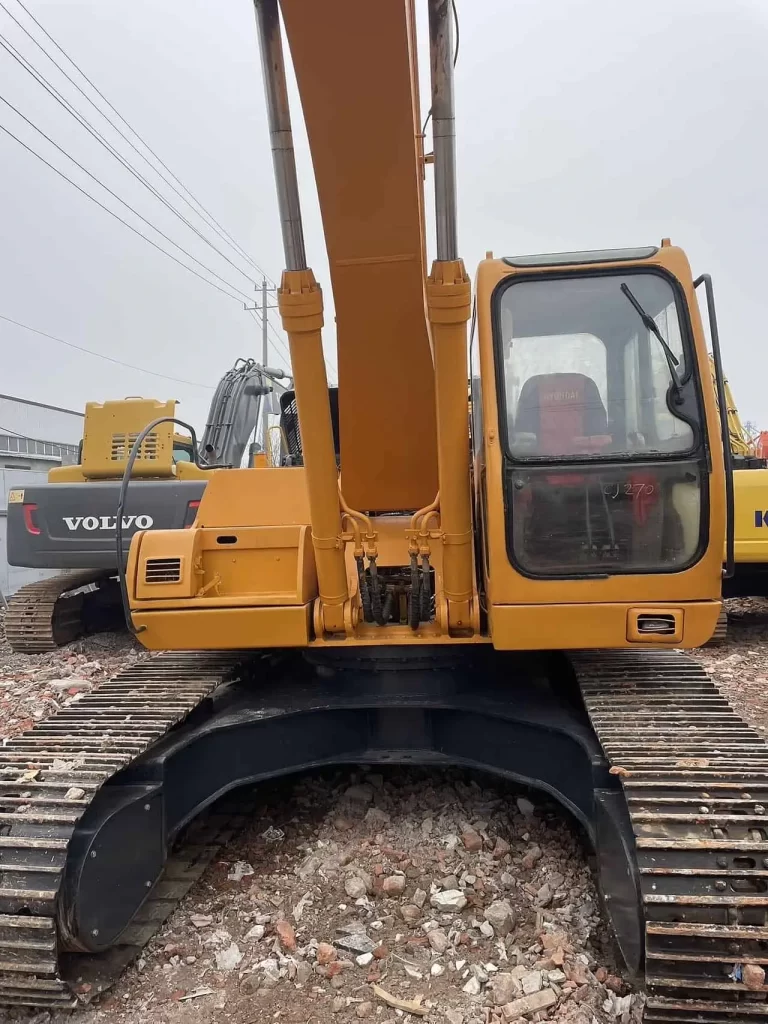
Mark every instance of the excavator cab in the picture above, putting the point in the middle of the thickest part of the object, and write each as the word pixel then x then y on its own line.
pixel 592 431
pixel 183 450
pixel 586 389
pixel 291 450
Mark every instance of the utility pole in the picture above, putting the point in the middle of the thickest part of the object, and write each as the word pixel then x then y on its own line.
pixel 265 403
pixel 261 432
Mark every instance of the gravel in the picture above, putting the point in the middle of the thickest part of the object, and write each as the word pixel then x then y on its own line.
pixel 389 895
pixel 740 666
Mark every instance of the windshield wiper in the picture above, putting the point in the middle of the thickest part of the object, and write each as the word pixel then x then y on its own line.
pixel 672 361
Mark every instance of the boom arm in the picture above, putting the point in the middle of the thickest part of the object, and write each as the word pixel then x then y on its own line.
pixel 234 411
pixel 741 443
pixel 355 64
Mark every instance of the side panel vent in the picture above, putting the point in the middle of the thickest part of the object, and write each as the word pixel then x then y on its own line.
pixel 162 570
pixel 123 443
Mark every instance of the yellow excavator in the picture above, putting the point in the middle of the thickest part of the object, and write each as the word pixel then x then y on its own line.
pixel 512 598
pixel 70 522
pixel 750 485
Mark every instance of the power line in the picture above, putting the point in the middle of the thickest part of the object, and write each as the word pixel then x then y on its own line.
pixel 120 200
pixel 40 78
pixel 100 355
pixel 83 121
pixel 278 340
pixel 220 230
pixel 116 215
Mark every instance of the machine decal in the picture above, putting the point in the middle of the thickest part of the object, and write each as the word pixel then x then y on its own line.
pixel 761 518
pixel 73 523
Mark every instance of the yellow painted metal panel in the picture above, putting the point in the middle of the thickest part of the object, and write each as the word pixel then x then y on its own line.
pixel 586 626
pixel 224 629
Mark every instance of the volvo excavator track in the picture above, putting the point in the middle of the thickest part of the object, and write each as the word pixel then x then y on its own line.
pixel 692 876
pixel 51 613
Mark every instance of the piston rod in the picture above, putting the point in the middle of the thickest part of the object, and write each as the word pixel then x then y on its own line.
pixel 281 136
pixel 300 301
pixel 443 127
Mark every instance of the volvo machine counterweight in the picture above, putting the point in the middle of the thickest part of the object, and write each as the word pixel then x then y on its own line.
pixel 511 597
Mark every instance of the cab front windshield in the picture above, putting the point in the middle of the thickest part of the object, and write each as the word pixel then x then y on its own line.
pixel 584 376
pixel 598 385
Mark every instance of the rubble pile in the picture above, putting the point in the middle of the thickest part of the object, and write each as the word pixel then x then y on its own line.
pixel 386 896
pixel 740 666
pixel 35 686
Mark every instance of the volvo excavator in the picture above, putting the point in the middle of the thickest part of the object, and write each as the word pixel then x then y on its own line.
pixel 512 599
pixel 750 486
pixel 69 523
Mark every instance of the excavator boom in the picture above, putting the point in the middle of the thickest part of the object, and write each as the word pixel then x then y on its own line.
pixel 355 66
pixel 743 445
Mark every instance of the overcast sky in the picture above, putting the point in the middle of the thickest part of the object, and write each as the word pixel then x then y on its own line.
pixel 581 124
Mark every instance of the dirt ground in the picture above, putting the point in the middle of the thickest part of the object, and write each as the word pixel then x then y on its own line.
pixel 376 895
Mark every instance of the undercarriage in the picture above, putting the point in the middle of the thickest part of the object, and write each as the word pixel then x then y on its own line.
pixel 668 783
pixel 51 613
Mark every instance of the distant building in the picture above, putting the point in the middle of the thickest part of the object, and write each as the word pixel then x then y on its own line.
pixel 37 436
pixel 34 437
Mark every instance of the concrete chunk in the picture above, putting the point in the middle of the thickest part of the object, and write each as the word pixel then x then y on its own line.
pixel 529 1004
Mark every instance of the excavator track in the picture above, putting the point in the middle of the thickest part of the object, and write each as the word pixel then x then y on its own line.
pixel 695 776
pixel 40 617
pixel 720 635
pixel 48 778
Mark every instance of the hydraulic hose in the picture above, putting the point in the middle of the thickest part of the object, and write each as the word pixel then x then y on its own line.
pixel 365 592
pixel 426 589
pixel 414 597
pixel 378 611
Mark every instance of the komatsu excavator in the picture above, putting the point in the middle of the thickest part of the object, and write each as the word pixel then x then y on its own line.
pixel 750 489
pixel 70 523
pixel 514 601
